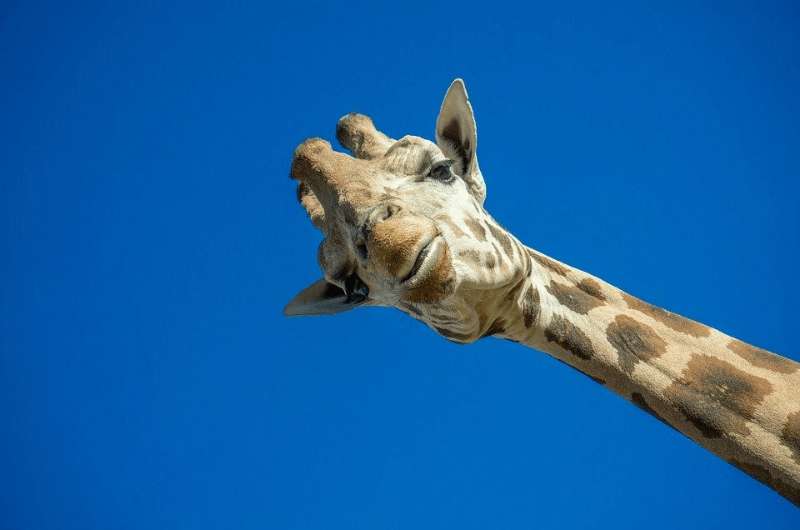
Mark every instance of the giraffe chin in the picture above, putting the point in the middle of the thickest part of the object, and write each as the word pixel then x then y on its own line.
pixel 435 279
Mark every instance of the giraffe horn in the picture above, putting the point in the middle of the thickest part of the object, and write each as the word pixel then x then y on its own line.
pixel 359 135
pixel 334 180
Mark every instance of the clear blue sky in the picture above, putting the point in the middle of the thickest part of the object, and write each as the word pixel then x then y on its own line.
pixel 150 238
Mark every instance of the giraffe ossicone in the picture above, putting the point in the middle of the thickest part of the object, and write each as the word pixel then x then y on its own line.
pixel 404 226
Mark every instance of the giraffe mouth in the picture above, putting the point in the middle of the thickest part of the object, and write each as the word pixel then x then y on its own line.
pixel 424 263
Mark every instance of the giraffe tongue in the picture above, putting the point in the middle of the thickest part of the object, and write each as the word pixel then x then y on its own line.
pixel 355 290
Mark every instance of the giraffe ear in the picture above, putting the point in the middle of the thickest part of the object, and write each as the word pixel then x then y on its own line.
pixel 320 298
pixel 457 137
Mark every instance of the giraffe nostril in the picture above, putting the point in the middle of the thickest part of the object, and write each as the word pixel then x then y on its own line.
pixel 361 248
pixel 391 209
pixel 379 214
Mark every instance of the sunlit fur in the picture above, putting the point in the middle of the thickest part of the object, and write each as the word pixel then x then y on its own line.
pixel 378 209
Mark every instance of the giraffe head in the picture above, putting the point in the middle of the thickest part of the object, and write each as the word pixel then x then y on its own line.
pixel 404 223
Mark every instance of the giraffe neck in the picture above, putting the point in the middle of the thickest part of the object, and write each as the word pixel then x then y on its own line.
pixel 740 402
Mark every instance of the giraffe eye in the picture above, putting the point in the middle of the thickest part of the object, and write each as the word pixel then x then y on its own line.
pixel 442 171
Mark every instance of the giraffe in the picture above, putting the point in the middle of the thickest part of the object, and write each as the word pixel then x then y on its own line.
pixel 405 226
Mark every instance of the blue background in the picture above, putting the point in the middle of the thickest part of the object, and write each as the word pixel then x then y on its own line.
pixel 150 238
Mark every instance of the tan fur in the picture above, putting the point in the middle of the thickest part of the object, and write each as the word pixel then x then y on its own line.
pixel 379 210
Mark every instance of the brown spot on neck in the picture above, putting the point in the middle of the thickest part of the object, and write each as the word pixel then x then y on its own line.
pixel 567 335
pixel 502 238
pixel 457 232
pixel 573 297
pixel 471 255
pixel 503 265
pixel 530 306
pixel 592 288
pixel 548 263
pixel 716 397
pixel 791 435
pixel 763 358
pixel 669 319
pixel 634 342
pixel 638 400
pixel 476 228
